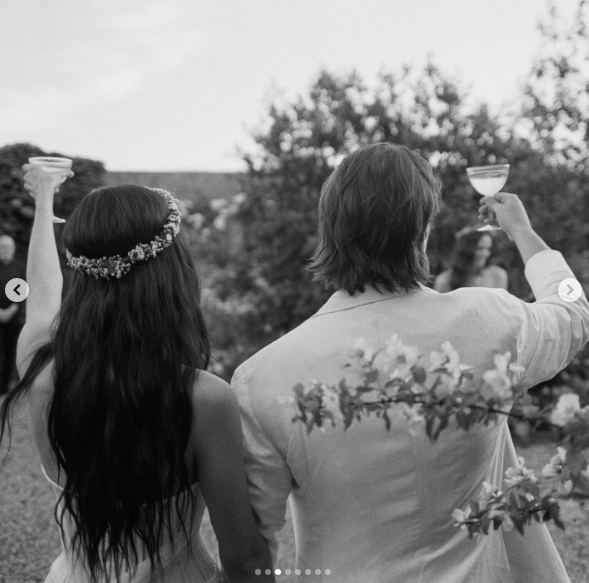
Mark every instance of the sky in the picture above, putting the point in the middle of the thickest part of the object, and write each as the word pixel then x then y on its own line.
pixel 179 85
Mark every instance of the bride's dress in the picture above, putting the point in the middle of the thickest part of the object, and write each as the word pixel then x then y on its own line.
pixel 179 564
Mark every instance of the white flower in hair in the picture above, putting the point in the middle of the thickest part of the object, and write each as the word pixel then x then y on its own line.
pixel 117 266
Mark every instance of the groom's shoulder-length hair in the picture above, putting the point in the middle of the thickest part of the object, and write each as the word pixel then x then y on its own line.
pixel 374 212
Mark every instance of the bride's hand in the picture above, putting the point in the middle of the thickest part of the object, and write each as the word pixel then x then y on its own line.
pixel 41 184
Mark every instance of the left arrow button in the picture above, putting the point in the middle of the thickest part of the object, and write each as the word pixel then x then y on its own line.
pixel 16 290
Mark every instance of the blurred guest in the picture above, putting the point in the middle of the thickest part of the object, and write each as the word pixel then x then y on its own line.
pixel 11 313
pixel 470 264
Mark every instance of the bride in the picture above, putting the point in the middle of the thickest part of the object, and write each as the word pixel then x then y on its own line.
pixel 132 433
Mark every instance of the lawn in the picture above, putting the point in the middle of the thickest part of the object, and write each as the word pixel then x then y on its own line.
pixel 29 539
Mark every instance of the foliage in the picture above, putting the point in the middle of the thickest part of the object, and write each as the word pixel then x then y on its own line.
pixel 453 398
pixel 556 95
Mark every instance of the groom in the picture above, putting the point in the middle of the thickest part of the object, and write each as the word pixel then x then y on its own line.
pixel 371 505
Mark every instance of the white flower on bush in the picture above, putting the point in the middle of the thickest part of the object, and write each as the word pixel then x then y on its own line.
pixel 507 523
pixel 499 383
pixel 502 363
pixel 396 349
pixel 217 204
pixel 330 397
pixel 461 516
pixel 220 223
pixel 412 413
pixel 239 198
pixel 570 511
pixel 556 465
pixel 397 359
pixel 363 350
pixel 449 361
pixel 437 360
pixel 196 220
pixel 519 475
pixel 567 407
pixel 487 494
pixel 445 387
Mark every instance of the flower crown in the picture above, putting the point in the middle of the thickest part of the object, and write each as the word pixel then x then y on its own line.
pixel 117 266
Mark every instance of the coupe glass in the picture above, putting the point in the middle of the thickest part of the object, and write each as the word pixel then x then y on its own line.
pixel 488 180
pixel 52 164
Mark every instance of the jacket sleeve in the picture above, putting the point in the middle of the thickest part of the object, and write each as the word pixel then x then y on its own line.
pixel 269 477
pixel 553 330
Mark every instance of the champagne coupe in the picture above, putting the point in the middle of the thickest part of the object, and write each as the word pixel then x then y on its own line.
pixel 52 164
pixel 488 180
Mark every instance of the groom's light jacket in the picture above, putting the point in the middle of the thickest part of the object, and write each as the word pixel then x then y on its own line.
pixel 374 506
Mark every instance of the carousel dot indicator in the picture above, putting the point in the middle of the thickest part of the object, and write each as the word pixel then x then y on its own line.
pixel 278 572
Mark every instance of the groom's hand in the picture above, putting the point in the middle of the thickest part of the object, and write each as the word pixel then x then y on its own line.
pixel 505 210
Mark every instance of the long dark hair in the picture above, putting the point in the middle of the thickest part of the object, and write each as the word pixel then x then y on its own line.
pixel 374 212
pixel 463 257
pixel 125 354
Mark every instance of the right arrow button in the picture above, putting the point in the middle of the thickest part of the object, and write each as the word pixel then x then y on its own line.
pixel 569 289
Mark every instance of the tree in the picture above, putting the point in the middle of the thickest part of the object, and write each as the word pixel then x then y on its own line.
pixel 555 114
pixel 556 95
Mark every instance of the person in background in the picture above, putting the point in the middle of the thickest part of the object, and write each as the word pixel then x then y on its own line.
pixel 470 264
pixel 11 313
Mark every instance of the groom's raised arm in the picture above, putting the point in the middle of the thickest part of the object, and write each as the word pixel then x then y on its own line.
pixel 269 478
pixel 553 329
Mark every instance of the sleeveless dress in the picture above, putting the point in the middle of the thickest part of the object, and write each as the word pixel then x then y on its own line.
pixel 178 564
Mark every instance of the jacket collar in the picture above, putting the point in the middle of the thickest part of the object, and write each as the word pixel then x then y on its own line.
pixel 341 300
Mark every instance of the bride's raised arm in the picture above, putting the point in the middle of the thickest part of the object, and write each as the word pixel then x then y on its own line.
pixel 44 276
